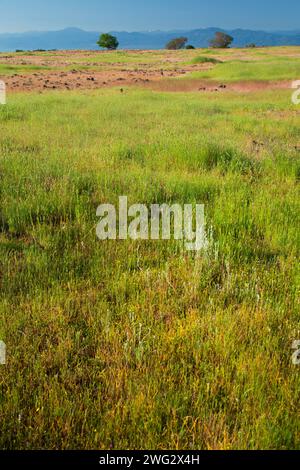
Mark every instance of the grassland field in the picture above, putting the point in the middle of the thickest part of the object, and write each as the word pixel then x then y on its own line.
pixel 140 344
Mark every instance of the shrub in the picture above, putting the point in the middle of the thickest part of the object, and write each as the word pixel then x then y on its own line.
pixel 204 60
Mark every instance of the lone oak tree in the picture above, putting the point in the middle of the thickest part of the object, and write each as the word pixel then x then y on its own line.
pixel 107 41
pixel 177 43
pixel 221 41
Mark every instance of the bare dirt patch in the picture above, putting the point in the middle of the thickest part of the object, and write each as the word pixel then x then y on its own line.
pixel 89 79
pixel 161 81
pixel 207 86
pixel 76 79
pixel 87 70
pixel 71 70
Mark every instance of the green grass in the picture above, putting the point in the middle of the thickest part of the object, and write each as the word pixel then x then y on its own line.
pixel 139 344
pixel 205 60
pixel 124 57
pixel 236 70
pixel 6 69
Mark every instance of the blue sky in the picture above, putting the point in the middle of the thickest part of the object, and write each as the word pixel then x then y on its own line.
pixel 142 15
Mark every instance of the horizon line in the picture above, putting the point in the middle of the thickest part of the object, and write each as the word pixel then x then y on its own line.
pixel 274 31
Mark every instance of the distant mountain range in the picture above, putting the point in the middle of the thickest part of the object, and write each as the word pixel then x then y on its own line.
pixel 75 38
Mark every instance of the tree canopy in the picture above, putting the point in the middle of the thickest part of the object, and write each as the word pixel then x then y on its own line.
pixel 107 41
pixel 177 43
pixel 221 41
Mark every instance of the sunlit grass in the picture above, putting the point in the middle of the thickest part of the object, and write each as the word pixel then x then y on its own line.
pixel 275 69
pixel 6 69
pixel 139 344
